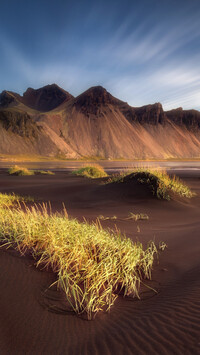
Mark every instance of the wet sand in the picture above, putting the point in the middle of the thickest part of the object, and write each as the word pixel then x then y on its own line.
pixel 34 319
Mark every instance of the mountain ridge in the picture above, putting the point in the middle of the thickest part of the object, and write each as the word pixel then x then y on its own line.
pixel 95 123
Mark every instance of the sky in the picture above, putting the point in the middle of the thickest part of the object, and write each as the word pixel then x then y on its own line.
pixel 142 52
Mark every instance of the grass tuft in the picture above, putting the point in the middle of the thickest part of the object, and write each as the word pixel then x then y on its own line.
pixel 7 200
pixel 162 246
pixel 21 171
pixel 160 183
pixel 43 172
pixel 92 265
pixel 93 171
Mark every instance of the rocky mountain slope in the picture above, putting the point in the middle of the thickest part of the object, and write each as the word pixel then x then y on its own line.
pixel 50 121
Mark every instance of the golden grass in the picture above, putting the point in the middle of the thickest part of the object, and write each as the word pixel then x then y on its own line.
pixel 20 158
pixel 160 183
pixel 131 216
pixel 93 171
pixel 16 158
pixel 92 265
pixel 21 171
pixel 7 200
pixel 43 172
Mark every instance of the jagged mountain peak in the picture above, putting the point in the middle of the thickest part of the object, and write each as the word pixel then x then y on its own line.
pixel 43 99
pixel 95 123
pixel 47 88
pixel 96 95
pixel 189 118
pixel 91 100
pixel 9 99
pixel 46 98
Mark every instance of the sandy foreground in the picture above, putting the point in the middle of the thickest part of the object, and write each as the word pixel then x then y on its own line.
pixel 34 319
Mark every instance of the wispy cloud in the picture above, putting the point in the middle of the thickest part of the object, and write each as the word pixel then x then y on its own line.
pixel 138 56
pixel 172 86
pixel 14 57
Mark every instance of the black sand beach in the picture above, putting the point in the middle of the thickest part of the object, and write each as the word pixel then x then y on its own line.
pixel 34 319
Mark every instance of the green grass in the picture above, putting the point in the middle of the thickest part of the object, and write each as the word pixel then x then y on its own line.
pixel 21 171
pixel 160 183
pixel 93 265
pixel 93 171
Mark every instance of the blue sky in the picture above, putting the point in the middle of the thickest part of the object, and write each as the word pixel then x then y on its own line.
pixel 141 51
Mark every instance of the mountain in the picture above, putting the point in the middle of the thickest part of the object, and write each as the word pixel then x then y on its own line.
pixel 43 99
pixel 188 118
pixel 19 131
pixel 50 121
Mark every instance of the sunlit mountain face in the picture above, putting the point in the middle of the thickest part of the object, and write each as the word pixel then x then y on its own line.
pixel 51 122
pixel 142 52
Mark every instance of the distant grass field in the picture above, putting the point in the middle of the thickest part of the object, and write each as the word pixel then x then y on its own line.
pixel 93 265
pixel 31 158
pixel 160 183
pixel 15 158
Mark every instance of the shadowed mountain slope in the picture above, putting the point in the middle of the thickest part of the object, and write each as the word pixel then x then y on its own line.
pixel 20 134
pixel 97 124
pixel 43 99
pixel 188 118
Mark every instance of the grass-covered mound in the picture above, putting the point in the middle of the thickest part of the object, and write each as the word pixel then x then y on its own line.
pixel 93 171
pixel 159 182
pixel 21 171
pixel 92 265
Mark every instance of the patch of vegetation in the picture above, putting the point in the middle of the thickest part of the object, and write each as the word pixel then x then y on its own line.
pixel 8 200
pixel 43 172
pixel 162 246
pixel 93 171
pixel 137 216
pixel 20 171
pixel 118 177
pixel 93 265
pixel 105 218
pixel 160 183
pixel 131 216
pixel 28 158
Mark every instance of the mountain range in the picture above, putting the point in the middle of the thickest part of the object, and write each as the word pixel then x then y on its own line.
pixel 51 122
